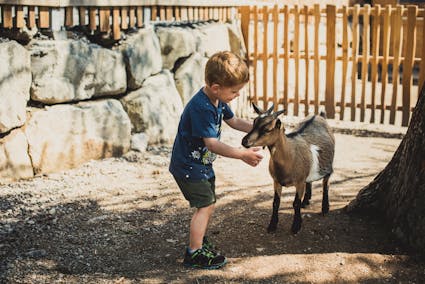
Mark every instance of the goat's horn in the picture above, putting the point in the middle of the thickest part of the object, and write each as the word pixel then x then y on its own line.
pixel 276 114
pixel 269 111
pixel 256 109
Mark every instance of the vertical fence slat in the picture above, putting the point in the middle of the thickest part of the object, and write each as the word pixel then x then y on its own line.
pixel 412 12
pixel 82 16
pixel 169 13
pixel 139 14
pixel 177 13
pixel 355 45
pixel 154 13
pixel 43 17
pixel 7 16
pixel 92 18
pixel 116 30
pixel 104 14
pixel 124 18
pixel 385 54
pixel 421 80
pixel 265 54
pixel 397 36
pixel 365 59
pixel 69 16
pixel 344 60
pixel 296 47
pixel 286 59
pixel 19 16
pixel 375 54
pixel 275 58
pixel 255 57
pixel 307 61
pixel 131 17
pixel 316 57
pixel 330 60
pixel 162 13
pixel 245 23
pixel 31 17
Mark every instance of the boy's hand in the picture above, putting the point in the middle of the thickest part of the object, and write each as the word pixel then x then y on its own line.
pixel 251 157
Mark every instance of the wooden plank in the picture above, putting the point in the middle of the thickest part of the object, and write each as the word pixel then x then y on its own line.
pixel 20 22
pixel 154 13
pixel 69 16
pixel 43 17
pixel 92 18
pixel 169 13
pixel 397 36
pixel 316 57
pixel 365 59
pixel 162 13
pixel 354 50
pixel 190 14
pixel 421 79
pixel 183 13
pixel 245 22
pixel 116 30
pixel 124 18
pixel 196 13
pixel 296 47
pixel 275 57
pixel 385 53
pixel 131 17
pixel 330 61
pixel 412 12
pixel 104 13
pixel 286 60
pixel 139 14
pixel 344 60
pixel 7 16
pixel 202 13
pixel 307 61
pixel 255 59
pixel 82 16
pixel 375 53
pixel 177 13
pixel 265 53
pixel 31 17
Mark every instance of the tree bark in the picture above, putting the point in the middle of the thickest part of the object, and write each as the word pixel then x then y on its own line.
pixel 397 194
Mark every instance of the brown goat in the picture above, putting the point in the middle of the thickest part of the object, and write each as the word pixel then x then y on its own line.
pixel 296 159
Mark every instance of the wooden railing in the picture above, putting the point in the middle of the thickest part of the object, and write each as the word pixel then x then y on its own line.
pixel 355 79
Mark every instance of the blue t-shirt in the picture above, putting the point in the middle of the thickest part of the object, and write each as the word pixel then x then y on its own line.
pixel 190 158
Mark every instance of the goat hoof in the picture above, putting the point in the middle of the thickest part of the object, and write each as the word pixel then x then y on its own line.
pixel 325 210
pixel 271 229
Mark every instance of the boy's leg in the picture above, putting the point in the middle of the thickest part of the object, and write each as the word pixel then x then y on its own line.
pixel 198 226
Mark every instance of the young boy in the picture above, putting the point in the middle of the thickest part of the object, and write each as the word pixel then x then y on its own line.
pixel 198 142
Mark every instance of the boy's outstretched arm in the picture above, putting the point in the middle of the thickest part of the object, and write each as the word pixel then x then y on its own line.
pixel 249 156
pixel 239 124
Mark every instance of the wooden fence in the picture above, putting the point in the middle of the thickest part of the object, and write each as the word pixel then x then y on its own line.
pixel 361 63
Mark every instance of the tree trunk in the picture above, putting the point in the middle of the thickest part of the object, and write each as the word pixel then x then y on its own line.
pixel 397 194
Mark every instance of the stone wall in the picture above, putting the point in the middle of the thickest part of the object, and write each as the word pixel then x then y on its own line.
pixel 64 102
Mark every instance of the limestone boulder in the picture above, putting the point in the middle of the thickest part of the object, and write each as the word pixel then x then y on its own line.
pixel 142 55
pixel 74 70
pixel 65 136
pixel 214 37
pixel 155 108
pixel 15 83
pixel 176 43
pixel 189 77
pixel 15 162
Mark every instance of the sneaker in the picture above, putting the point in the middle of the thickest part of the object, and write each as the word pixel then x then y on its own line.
pixel 206 244
pixel 203 258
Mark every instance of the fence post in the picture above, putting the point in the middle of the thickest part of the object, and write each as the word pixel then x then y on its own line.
pixel 330 60
pixel 245 16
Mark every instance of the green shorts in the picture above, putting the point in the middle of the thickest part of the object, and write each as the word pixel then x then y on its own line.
pixel 198 193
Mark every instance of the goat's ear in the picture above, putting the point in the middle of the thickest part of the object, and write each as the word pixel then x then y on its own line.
pixel 256 109
pixel 276 114
pixel 278 124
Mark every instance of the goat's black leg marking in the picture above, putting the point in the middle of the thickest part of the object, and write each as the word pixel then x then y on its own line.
pixel 273 222
pixel 325 199
pixel 296 225
pixel 307 195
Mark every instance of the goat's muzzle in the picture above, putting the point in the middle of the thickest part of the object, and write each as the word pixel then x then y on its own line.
pixel 245 142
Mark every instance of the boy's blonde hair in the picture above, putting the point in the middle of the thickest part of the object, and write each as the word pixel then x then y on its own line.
pixel 226 69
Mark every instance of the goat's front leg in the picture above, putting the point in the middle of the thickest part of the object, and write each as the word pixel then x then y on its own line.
pixel 276 204
pixel 307 195
pixel 299 194
pixel 325 198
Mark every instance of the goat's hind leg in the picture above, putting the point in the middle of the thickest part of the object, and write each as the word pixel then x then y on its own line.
pixel 307 195
pixel 276 204
pixel 325 198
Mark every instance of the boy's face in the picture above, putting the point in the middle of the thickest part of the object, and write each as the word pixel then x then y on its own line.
pixel 227 94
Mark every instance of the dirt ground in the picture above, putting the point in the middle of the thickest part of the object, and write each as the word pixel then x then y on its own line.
pixel 123 220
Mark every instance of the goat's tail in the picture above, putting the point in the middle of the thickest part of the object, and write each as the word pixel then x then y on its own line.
pixel 323 114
